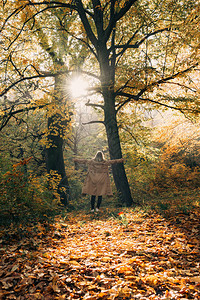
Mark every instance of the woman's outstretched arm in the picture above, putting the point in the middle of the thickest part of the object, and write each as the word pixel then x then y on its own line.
pixel 115 161
pixel 80 160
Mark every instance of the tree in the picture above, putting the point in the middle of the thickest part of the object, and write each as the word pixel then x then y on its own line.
pixel 23 75
pixel 140 48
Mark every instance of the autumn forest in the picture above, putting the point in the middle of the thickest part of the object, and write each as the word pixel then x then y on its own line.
pixel 117 76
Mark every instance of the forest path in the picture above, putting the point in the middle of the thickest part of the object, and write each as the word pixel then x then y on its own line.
pixel 130 255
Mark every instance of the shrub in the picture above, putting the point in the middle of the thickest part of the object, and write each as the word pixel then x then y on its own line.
pixel 24 196
pixel 175 176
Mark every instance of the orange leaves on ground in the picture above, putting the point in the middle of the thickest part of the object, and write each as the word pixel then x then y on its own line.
pixel 99 257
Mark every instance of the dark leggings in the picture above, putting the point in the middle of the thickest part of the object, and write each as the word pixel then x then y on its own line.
pixel 93 197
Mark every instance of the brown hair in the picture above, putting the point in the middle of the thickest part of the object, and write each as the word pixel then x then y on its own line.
pixel 99 156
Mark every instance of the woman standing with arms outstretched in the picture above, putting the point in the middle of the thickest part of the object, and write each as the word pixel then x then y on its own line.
pixel 97 182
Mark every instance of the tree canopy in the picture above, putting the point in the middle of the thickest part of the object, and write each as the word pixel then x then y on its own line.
pixel 140 53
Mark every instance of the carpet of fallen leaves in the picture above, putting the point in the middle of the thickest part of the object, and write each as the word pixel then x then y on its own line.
pixel 133 255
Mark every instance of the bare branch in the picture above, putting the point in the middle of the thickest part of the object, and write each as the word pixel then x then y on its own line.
pixel 166 79
pixel 124 9
pixel 21 8
pixel 170 106
pixel 43 75
pixel 13 113
pixel 94 105
pixel 183 85
pixel 137 44
pixel 13 64
pixel 16 11
pixel 128 43
pixel 131 97
pixel 79 39
pixel 94 122
pixel 127 130
pixel 86 23
pixel 115 17
pixel 98 17
pixel 163 80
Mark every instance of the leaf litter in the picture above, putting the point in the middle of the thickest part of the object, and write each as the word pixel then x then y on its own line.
pixel 99 256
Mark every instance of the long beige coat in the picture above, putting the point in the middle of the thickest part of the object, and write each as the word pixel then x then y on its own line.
pixel 97 181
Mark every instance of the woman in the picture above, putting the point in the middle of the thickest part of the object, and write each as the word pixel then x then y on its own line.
pixel 97 182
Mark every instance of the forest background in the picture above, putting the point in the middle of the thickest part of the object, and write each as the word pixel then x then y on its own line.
pixel 81 76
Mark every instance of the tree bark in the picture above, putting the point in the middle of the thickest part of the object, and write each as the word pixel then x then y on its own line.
pixel 54 151
pixel 54 155
pixel 118 170
pixel 110 121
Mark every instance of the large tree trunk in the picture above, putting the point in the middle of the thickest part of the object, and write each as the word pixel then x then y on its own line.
pixel 55 159
pixel 119 173
pixel 54 151
pixel 107 84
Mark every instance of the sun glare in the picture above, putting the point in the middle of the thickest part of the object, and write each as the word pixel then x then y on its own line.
pixel 78 87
